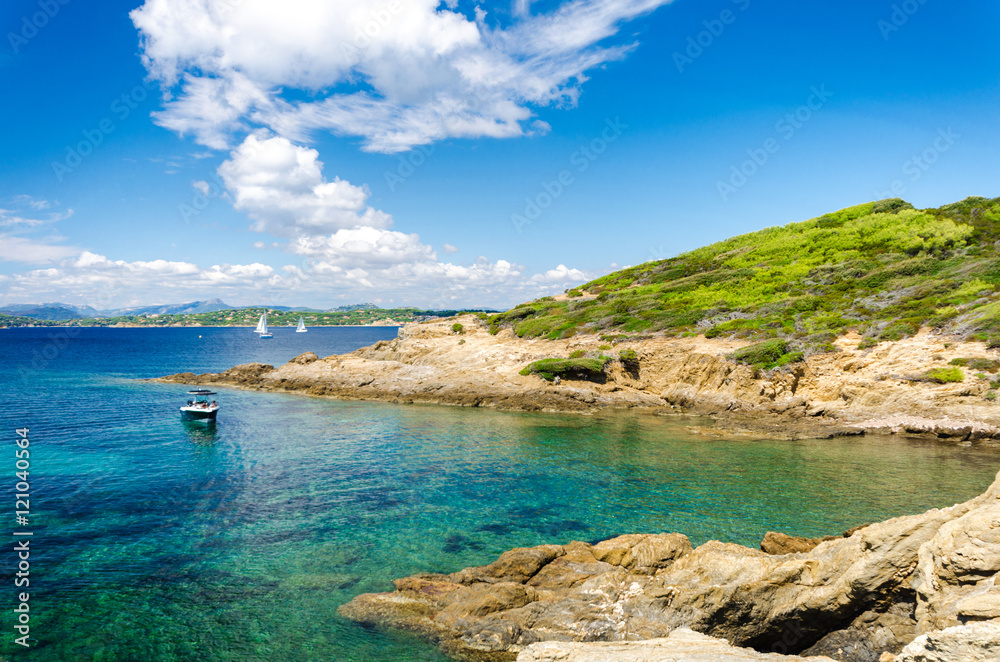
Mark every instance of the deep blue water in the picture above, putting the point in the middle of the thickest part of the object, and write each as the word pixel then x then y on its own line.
pixel 156 539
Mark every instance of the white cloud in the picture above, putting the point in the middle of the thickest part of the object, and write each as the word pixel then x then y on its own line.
pixel 397 73
pixel 448 248
pixel 329 279
pixel 23 219
pixel 561 274
pixel 30 251
pixel 282 187
pixel 361 247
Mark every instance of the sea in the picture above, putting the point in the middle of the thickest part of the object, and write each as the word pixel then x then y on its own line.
pixel 159 540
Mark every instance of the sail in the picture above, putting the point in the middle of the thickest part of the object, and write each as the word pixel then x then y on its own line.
pixel 302 325
pixel 262 324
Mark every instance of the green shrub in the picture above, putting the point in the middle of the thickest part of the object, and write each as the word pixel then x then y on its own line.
pixel 991 395
pixel 462 341
pixel 457 328
pixel 890 206
pixel 578 354
pixel 944 375
pixel 766 355
pixel 867 342
pixel 574 293
pixel 582 369
pixel 899 330
pixel 984 365
pixel 791 357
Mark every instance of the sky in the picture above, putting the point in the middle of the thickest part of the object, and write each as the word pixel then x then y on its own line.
pixel 460 154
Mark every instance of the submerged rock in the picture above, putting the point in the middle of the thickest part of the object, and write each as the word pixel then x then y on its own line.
pixel 855 598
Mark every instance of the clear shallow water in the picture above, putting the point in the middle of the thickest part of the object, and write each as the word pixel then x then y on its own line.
pixel 159 540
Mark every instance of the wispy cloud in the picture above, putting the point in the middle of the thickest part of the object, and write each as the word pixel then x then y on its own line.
pixel 22 222
pixel 405 74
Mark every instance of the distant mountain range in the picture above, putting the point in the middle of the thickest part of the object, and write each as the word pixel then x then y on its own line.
pixel 64 311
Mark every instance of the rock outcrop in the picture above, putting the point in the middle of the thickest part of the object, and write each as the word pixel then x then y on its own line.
pixel 975 642
pixel 856 598
pixel 681 645
pixel 782 543
pixel 845 392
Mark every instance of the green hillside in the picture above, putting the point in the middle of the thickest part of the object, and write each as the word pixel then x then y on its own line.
pixel 882 268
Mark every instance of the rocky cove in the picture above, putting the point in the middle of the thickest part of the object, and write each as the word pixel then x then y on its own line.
pixel 920 588
pixel 911 589
pixel 850 391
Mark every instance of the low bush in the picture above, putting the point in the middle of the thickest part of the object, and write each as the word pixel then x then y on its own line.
pixel 766 355
pixel 457 328
pixel 578 354
pixel 944 375
pixel 867 343
pixel 984 365
pixel 581 369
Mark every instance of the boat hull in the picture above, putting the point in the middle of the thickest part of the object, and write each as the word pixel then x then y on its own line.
pixel 198 414
pixel 265 336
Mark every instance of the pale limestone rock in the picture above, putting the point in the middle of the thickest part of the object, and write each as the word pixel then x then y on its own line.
pixel 974 642
pixel 681 645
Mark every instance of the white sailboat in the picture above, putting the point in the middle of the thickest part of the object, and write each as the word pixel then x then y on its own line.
pixel 302 326
pixel 262 327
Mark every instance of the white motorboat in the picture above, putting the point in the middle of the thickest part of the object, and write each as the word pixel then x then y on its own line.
pixel 302 326
pixel 262 327
pixel 199 408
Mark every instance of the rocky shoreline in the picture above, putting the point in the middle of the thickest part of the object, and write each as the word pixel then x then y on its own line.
pixel 850 391
pixel 921 588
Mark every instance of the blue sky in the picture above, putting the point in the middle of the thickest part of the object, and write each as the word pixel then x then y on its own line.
pixel 460 154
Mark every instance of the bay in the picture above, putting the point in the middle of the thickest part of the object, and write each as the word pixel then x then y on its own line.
pixel 156 539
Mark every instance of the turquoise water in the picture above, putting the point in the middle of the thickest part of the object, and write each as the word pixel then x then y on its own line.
pixel 160 540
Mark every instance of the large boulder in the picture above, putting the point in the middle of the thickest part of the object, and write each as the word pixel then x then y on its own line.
pixel 854 598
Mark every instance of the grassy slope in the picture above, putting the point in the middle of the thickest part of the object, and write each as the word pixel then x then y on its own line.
pixel 881 268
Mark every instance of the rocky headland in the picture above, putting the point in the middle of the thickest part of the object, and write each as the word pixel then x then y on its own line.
pixel 919 588
pixel 852 390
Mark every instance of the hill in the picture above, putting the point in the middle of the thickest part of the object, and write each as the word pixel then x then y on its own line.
pixel 883 269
